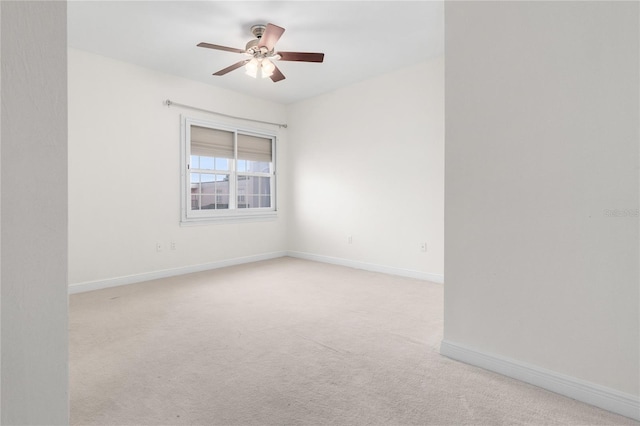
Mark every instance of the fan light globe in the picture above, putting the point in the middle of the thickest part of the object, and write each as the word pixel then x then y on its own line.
pixel 252 68
pixel 267 68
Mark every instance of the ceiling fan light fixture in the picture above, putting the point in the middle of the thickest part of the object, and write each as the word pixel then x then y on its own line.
pixel 262 52
pixel 263 67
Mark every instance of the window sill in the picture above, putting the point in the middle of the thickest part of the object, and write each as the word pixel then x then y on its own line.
pixel 230 218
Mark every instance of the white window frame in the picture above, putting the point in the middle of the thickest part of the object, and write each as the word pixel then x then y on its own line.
pixel 189 216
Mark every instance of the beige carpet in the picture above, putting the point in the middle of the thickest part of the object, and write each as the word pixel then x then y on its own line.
pixel 287 342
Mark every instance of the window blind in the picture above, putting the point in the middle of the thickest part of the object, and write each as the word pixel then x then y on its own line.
pixel 254 148
pixel 211 142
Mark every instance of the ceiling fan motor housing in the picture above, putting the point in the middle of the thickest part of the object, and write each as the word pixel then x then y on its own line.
pixel 252 47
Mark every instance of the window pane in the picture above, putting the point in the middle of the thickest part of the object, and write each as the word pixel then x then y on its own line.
pixel 222 201
pixel 195 162
pixel 241 185
pixel 222 164
pixel 254 185
pixel 265 186
pixel 208 188
pixel 195 178
pixel 258 166
pixel 195 202
pixel 207 185
pixel 251 185
pixel 242 165
pixel 208 201
pixel 253 192
pixel 206 163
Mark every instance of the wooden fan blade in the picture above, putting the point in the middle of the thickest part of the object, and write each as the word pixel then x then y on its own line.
pixel 215 46
pixel 301 56
pixel 232 67
pixel 277 75
pixel 271 36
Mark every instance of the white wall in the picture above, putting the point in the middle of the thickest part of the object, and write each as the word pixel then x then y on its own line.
pixel 542 142
pixel 34 214
pixel 367 161
pixel 124 173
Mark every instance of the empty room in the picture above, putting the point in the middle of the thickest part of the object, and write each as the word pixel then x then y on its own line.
pixel 320 212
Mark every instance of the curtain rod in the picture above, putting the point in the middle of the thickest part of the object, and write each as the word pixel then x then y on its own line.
pixel 170 102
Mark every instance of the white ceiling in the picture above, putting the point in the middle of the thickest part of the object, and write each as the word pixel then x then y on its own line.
pixel 360 39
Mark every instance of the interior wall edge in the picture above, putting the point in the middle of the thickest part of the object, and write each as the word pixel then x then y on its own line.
pixel 600 396
pixel 34 372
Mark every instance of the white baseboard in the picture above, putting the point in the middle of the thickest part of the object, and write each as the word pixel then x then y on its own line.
pixel 131 279
pixel 591 393
pixel 147 276
pixel 437 278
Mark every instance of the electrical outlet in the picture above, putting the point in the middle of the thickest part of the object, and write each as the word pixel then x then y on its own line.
pixel 423 246
pixel 158 246
pixel 350 239
pixel 172 245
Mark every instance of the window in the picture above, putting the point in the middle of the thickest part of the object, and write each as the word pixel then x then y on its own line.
pixel 226 172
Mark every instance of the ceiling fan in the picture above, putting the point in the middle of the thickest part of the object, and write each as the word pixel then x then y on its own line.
pixel 262 54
